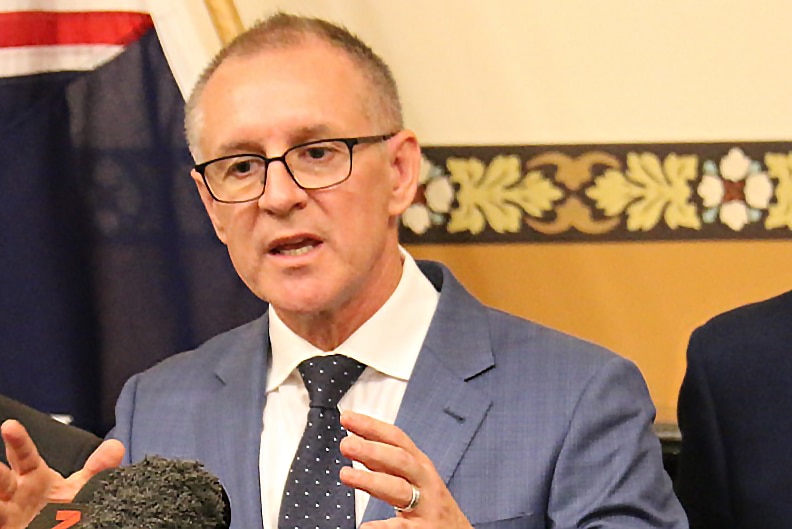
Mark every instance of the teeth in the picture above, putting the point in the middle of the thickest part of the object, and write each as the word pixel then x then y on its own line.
pixel 296 251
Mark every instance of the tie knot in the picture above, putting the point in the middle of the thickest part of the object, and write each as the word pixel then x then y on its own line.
pixel 328 378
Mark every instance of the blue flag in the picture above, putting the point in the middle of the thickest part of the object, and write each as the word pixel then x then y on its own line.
pixel 108 262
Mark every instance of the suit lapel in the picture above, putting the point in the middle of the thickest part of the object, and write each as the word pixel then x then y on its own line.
pixel 230 435
pixel 440 411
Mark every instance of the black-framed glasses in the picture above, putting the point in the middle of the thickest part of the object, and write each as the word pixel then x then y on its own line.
pixel 312 165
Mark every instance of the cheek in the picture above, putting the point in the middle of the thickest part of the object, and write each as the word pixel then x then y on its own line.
pixel 372 199
pixel 365 230
pixel 239 229
pixel 248 265
pixel 362 216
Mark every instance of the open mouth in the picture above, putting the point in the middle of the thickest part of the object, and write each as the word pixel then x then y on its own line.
pixel 295 247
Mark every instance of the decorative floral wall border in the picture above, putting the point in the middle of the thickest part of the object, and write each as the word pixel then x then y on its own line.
pixel 585 193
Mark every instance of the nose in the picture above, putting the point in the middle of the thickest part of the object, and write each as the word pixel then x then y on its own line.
pixel 281 195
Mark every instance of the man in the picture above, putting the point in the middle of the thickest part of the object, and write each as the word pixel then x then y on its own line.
pixel 64 448
pixel 735 465
pixel 497 421
pixel 461 415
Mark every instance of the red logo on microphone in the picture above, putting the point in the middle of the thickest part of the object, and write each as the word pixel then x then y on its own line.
pixel 67 518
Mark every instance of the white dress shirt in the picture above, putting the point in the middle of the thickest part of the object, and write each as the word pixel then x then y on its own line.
pixel 388 343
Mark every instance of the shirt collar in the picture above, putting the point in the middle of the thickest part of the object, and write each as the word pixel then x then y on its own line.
pixel 389 341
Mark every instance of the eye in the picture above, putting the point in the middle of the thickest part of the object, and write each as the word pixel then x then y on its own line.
pixel 316 152
pixel 243 167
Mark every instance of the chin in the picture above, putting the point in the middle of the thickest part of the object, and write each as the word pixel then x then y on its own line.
pixel 298 299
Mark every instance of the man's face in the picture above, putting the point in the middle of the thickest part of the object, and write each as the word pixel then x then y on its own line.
pixel 330 252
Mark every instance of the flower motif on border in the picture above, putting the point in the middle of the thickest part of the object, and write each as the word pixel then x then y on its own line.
pixel 432 200
pixel 736 191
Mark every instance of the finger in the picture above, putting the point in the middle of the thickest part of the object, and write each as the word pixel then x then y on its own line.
pixel 7 483
pixel 5 517
pixel 376 430
pixel 381 457
pixel 390 489
pixel 21 451
pixel 109 454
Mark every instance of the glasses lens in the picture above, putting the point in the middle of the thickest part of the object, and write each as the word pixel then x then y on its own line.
pixel 320 164
pixel 236 179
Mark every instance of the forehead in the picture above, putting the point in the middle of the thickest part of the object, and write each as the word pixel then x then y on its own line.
pixel 279 92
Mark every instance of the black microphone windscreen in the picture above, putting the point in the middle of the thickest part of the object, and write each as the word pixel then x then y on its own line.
pixel 155 493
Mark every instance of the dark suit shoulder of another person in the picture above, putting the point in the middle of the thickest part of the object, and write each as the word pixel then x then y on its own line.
pixel 64 448
pixel 735 468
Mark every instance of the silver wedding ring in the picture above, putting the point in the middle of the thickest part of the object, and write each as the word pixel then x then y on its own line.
pixel 416 497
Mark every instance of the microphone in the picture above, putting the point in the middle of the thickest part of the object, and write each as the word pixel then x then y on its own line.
pixel 156 493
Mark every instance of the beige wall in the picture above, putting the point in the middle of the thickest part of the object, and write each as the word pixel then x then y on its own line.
pixel 576 71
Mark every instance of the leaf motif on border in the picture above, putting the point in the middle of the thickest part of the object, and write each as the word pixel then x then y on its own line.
pixel 497 194
pixel 780 168
pixel 649 191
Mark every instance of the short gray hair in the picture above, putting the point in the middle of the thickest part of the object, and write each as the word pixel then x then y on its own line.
pixel 283 30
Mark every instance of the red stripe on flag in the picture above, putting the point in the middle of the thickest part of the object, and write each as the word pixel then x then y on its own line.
pixel 43 28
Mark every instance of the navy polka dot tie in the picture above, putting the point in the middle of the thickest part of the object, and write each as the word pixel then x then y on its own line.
pixel 314 497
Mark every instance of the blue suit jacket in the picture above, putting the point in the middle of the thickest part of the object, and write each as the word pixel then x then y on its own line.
pixel 735 469
pixel 528 427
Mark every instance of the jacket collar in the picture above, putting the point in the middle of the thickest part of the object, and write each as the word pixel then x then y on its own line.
pixel 440 411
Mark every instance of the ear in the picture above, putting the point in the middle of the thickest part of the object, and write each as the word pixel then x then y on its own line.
pixel 406 167
pixel 210 205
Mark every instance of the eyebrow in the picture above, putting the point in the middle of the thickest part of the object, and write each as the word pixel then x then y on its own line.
pixel 301 135
pixel 313 132
pixel 239 147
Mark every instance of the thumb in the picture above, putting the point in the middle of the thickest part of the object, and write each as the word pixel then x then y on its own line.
pixel 107 455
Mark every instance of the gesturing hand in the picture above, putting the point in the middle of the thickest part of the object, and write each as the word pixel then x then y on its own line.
pixel 397 468
pixel 28 483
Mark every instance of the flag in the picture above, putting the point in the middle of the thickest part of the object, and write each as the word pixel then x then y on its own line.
pixel 108 262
